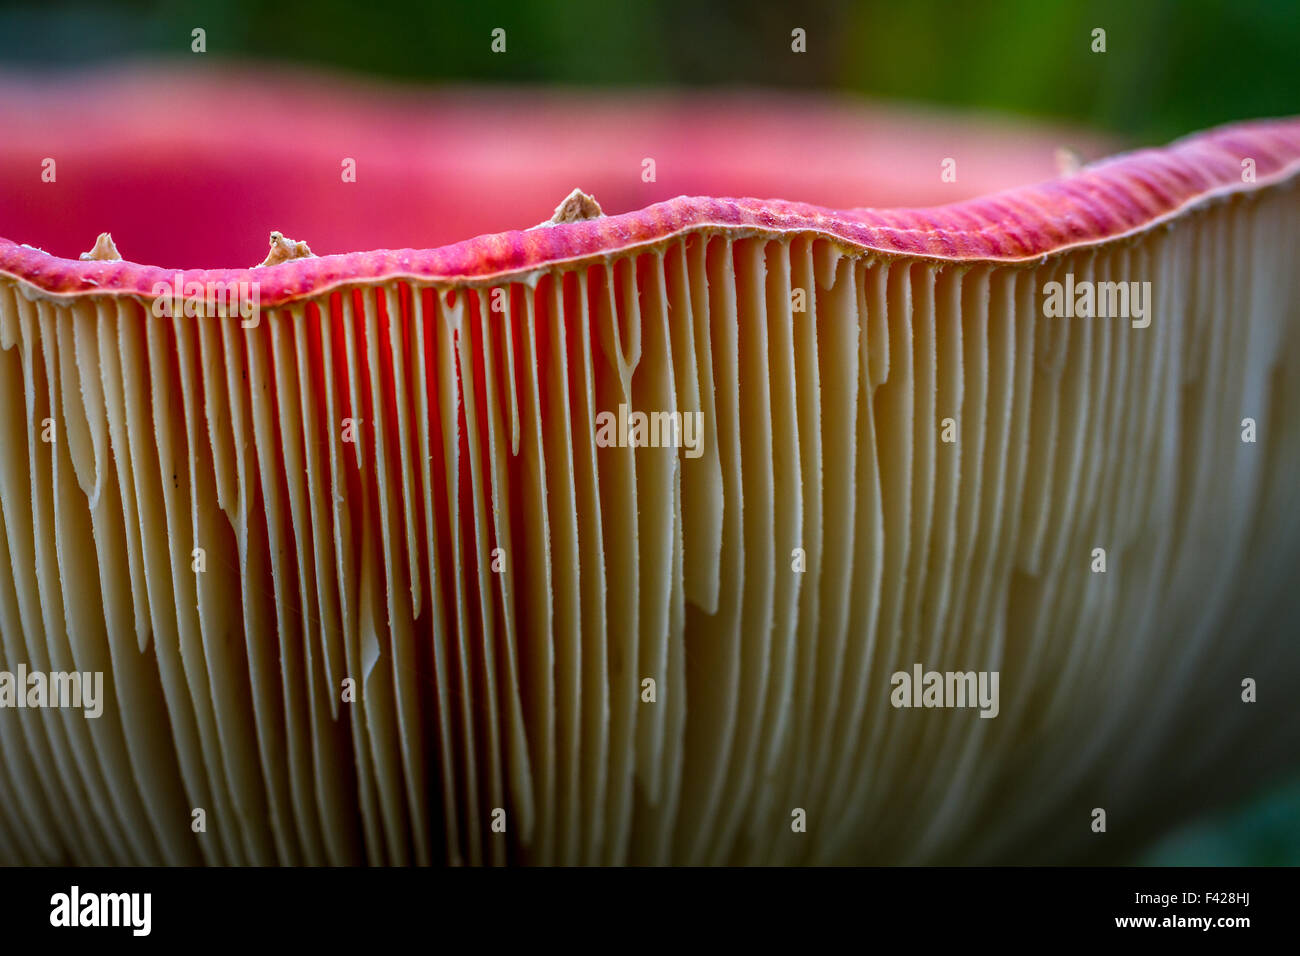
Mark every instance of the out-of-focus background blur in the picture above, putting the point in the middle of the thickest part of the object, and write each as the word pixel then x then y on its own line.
pixel 1170 67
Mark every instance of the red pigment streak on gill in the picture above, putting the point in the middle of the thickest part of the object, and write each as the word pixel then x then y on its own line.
pixel 1104 201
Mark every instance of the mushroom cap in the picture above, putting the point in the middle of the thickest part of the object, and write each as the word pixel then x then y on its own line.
pixel 718 530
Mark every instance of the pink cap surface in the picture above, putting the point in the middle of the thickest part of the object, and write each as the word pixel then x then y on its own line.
pixel 176 163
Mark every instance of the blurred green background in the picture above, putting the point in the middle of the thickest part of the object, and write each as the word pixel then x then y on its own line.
pixel 1170 67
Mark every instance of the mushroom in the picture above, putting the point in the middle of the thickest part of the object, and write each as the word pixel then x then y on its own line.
pixel 720 530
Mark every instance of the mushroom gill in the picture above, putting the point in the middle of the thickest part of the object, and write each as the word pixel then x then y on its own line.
pixel 386 568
